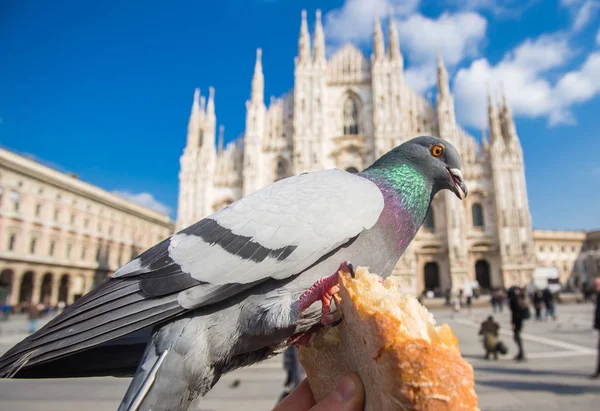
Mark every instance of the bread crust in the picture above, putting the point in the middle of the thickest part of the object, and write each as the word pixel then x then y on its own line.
pixel 402 368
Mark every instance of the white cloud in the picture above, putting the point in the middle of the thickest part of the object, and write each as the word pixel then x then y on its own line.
pixel 523 73
pixel 520 73
pixel 576 87
pixel 499 8
pixel 585 14
pixel 582 12
pixel 144 199
pixel 354 20
pixel 456 36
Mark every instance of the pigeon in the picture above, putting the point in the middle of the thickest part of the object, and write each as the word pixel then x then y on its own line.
pixel 242 284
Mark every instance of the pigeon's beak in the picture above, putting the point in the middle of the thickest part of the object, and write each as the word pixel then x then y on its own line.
pixel 459 188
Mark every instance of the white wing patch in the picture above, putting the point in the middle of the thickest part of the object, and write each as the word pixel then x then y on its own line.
pixel 316 212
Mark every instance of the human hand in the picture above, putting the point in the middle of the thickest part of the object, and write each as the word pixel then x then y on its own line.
pixel 349 395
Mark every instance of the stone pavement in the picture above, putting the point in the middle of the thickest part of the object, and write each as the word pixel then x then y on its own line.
pixel 561 356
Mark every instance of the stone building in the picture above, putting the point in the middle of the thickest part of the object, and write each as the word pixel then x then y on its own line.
pixel 59 236
pixel 344 112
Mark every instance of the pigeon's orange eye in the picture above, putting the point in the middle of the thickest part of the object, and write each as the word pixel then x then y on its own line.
pixel 437 150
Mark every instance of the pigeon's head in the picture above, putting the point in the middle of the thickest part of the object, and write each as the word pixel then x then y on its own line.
pixel 434 158
pixel 438 160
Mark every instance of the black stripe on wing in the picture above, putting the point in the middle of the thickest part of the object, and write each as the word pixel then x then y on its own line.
pixel 242 246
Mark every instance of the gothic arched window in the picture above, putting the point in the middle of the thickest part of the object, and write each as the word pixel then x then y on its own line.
pixel 429 222
pixel 350 116
pixel 477 215
pixel 200 138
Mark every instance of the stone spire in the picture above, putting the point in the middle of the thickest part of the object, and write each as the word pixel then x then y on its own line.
pixel 196 112
pixel 507 117
pixel 210 107
pixel 493 122
pixel 195 120
pixel 394 42
pixel 221 138
pixel 319 40
pixel 304 40
pixel 443 85
pixel 258 80
pixel 378 45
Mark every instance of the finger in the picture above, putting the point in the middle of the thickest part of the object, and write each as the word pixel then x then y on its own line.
pixel 349 395
pixel 301 399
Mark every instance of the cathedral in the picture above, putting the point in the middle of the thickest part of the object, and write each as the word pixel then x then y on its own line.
pixel 344 112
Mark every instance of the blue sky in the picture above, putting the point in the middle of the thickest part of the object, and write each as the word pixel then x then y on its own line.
pixel 104 89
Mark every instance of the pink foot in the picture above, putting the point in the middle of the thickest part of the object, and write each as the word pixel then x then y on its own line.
pixel 323 290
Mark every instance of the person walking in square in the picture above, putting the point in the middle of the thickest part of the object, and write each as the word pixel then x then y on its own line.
pixel 549 303
pixel 519 313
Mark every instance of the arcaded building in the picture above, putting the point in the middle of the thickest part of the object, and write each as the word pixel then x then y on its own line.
pixel 59 236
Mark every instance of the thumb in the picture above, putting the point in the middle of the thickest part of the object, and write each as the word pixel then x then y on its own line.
pixel 349 395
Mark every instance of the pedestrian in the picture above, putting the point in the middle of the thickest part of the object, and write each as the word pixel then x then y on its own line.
pixel 494 300
pixel 33 314
pixel 519 313
pixel 549 303
pixel 489 331
pixel 448 296
pixel 537 303
pixel 500 296
pixel 597 324
pixel 6 310
pixel 456 304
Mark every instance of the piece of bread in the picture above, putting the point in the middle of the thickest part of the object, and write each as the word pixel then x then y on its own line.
pixel 389 339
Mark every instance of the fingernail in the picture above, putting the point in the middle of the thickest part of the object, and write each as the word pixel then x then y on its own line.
pixel 346 388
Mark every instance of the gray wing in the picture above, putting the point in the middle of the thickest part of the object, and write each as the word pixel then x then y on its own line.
pixel 276 232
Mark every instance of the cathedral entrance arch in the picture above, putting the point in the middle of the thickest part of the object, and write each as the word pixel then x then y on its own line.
pixel 432 276
pixel 482 274
pixel 352 170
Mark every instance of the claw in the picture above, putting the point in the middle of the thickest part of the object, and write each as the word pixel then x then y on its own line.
pixel 324 290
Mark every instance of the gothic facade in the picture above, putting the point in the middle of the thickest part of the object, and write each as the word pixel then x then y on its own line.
pixel 344 112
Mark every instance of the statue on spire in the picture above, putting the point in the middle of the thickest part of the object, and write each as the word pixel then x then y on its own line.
pixel 319 40
pixel 493 121
pixel 258 80
pixel 210 107
pixel 394 42
pixel 304 40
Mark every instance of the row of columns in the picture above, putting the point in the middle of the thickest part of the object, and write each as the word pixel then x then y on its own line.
pixel 14 281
